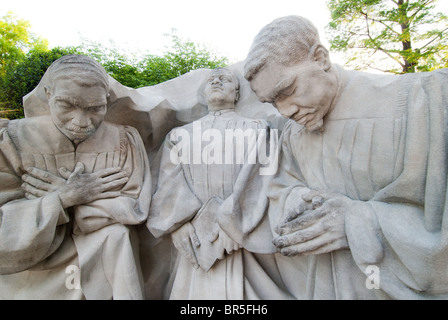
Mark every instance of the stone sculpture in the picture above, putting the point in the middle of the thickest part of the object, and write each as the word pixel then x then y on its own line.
pixel 210 199
pixel 72 186
pixel 355 210
pixel 360 194
pixel 154 111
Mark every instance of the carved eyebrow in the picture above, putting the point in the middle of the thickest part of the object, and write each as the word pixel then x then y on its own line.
pixel 76 103
pixel 69 100
pixel 220 77
pixel 283 85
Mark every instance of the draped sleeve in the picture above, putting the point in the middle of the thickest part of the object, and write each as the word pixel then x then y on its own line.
pixel 132 207
pixel 174 202
pixel 402 230
pixel 288 184
pixel 227 196
pixel 30 230
pixel 244 214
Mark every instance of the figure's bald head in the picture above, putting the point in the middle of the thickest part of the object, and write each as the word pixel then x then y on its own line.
pixel 288 67
pixel 221 89
pixel 78 68
pixel 286 41
pixel 77 89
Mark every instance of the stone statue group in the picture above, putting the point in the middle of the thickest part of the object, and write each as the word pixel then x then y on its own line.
pixel 283 177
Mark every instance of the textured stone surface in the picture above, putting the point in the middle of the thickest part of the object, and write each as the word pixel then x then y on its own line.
pixel 355 209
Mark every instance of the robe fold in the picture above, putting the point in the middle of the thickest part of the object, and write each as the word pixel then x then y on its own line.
pixel 385 147
pixel 201 180
pixel 39 239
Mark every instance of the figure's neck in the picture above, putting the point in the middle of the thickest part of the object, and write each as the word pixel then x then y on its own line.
pixel 339 74
pixel 338 85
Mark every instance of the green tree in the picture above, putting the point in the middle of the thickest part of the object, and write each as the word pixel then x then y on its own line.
pixel 123 66
pixel 16 40
pixel 396 36
pixel 183 56
pixel 22 78
pixel 130 69
pixel 135 70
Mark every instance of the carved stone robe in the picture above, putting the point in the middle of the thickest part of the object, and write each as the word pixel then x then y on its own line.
pixel 227 197
pixel 385 147
pixel 39 240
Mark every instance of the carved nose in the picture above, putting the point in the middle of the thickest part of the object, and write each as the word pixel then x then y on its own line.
pixel 286 109
pixel 81 120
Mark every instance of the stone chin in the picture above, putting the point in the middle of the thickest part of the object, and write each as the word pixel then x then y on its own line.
pixel 216 97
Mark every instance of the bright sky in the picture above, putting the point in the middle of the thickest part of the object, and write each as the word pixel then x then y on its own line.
pixel 226 27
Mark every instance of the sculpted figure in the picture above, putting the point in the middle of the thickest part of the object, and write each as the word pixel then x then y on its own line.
pixel 210 199
pixel 360 194
pixel 71 187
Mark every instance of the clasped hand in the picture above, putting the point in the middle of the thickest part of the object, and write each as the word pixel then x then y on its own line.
pixel 315 226
pixel 74 188
pixel 185 240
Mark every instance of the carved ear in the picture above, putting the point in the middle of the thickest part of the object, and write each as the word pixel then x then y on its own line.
pixel 322 57
pixel 47 92
pixel 237 95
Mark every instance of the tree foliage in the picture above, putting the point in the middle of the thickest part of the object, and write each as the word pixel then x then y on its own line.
pixel 16 40
pixel 397 36
pixel 128 68
pixel 22 78
pixel 137 70
pixel 120 65
pixel 183 56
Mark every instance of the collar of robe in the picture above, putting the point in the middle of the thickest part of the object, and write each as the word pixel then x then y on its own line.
pixel 220 112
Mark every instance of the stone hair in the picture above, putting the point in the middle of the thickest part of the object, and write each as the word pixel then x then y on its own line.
pixel 287 40
pixel 81 69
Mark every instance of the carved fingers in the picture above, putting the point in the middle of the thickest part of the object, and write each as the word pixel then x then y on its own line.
pixel 228 243
pixel 75 187
pixel 319 227
pixel 315 246
pixel 184 239
pixel 308 201
pixel 110 179
pixel 301 222
pixel 38 183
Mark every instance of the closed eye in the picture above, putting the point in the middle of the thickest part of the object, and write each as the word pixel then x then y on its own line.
pixel 97 108
pixel 65 105
pixel 289 91
pixel 285 88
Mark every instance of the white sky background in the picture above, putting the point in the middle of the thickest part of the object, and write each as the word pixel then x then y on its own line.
pixel 227 27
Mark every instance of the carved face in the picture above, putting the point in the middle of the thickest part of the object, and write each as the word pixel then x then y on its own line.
pixel 303 92
pixel 220 89
pixel 77 110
